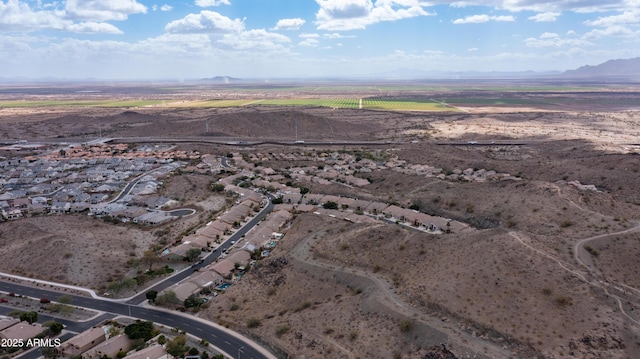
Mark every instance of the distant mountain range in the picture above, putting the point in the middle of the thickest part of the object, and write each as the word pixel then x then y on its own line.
pixel 622 69
pixel 619 70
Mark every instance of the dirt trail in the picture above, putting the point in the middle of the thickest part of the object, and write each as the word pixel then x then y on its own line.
pixel 607 287
pixel 583 257
pixel 382 291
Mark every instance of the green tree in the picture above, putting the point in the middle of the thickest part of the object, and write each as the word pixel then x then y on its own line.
pixel 168 298
pixel 177 346
pixel 192 301
pixel 140 329
pixel 152 295
pixel 304 190
pixel 192 254
pixel 216 187
pixel 330 205
pixel 65 299
pixel 53 327
pixel 49 352
pixel 149 258
pixel 29 317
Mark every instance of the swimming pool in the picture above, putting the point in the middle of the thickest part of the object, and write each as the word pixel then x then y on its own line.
pixel 223 286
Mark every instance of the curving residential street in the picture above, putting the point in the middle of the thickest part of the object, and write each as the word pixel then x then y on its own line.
pixel 220 337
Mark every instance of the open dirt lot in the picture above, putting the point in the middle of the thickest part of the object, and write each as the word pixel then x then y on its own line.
pixel 551 272
pixel 71 249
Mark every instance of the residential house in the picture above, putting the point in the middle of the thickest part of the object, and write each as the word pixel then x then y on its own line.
pixel 210 232
pixel 60 207
pixel 153 218
pixel 186 289
pixel 207 279
pixel 222 267
pixel 83 342
pixel 155 351
pixel 176 253
pixel 6 322
pixel 22 330
pixel 110 348
pixel 239 258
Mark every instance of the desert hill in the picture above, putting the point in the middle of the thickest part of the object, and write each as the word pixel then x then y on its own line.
pixel 618 69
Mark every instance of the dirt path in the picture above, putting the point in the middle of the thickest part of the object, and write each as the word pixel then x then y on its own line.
pixel 607 287
pixel 382 291
pixel 583 257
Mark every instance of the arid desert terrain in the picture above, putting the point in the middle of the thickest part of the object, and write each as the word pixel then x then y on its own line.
pixel 549 269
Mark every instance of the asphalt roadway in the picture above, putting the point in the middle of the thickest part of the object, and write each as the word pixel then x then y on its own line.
pixel 224 340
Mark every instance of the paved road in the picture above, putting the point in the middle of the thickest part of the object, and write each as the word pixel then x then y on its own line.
pixel 125 191
pixel 217 337
pixel 210 258
pixel 71 328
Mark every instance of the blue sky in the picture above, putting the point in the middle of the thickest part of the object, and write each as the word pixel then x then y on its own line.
pixel 191 39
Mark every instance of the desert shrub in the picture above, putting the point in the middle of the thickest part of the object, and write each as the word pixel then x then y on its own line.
pixel 566 223
pixel 406 325
pixel 353 335
pixel 253 323
pixel 282 329
pixel 330 205
pixel 563 301
pixel 594 252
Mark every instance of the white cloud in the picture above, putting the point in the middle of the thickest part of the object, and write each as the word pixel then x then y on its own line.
pixel 433 52
pixel 336 35
pixel 206 22
pixel 550 39
pixel 208 3
pixel 473 49
pixel 309 36
pixel 618 31
pixel 289 24
pixel 255 39
pixel 358 14
pixel 93 28
pixel 503 18
pixel 460 4
pixel 164 7
pixel 627 17
pixel 310 42
pixel 543 6
pixel 19 17
pixel 477 19
pixel 545 17
pixel 98 10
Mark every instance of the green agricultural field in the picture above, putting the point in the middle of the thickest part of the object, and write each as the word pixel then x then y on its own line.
pixel 322 102
pixel 405 105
